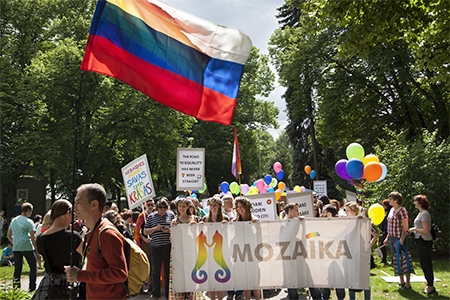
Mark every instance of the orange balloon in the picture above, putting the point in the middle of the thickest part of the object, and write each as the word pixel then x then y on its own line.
pixel 372 171
pixel 281 185
pixel 277 195
pixel 307 169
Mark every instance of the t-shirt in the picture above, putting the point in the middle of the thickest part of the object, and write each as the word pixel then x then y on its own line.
pixel 424 216
pixel 7 252
pixel 160 238
pixel 21 227
pixel 56 247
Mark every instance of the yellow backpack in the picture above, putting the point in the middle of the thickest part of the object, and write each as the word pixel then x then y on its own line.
pixel 137 263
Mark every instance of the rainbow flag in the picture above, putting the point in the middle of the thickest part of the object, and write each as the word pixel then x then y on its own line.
pixel 236 167
pixel 175 58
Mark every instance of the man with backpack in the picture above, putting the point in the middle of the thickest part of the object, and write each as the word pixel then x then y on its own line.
pixel 106 268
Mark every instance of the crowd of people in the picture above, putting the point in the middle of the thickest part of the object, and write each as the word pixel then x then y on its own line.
pixel 66 250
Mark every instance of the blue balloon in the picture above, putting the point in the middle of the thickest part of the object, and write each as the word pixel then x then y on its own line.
pixel 194 191
pixel 384 172
pixel 355 168
pixel 267 179
pixel 312 174
pixel 280 175
pixel 225 187
pixel 193 196
pixel 270 190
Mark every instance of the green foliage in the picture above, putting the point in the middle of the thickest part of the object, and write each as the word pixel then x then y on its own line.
pixel 14 294
pixel 416 167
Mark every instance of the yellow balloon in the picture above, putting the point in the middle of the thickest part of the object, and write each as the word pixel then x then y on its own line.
pixel 370 158
pixel 376 214
pixel 297 189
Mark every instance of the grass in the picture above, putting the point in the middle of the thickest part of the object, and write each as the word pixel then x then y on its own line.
pixel 380 289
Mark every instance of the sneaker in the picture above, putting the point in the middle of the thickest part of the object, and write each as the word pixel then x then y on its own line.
pixel 406 288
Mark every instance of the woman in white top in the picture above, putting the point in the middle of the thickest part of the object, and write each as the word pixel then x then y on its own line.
pixel 424 240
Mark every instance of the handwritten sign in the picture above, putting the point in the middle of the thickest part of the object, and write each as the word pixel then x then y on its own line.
pixel 190 168
pixel 263 206
pixel 304 201
pixel 320 187
pixel 138 181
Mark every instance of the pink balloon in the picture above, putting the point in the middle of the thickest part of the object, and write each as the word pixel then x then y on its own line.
pixel 260 184
pixel 277 167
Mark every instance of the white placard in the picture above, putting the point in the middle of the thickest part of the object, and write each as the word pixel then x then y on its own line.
pixel 190 168
pixel 263 206
pixel 316 252
pixel 305 203
pixel 320 187
pixel 350 196
pixel 138 181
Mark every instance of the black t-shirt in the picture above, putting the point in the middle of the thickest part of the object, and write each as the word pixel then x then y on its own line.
pixel 55 248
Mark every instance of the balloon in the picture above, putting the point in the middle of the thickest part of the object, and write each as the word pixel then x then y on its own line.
pixel 277 167
pixel 355 168
pixel 307 169
pixel 281 185
pixel 193 195
pixel 234 188
pixel 340 169
pixel 194 191
pixel 277 195
pixel 384 173
pixel 355 150
pixel 297 189
pixel 312 174
pixel 373 171
pixel 280 175
pixel 260 184
pixel 270 190
pixel 303 189
pixel 273 183
pixel 204 188
pixel 225 187
pixel 267 179
pixel 370 158
pixel 244 188
pixel 263 190
pixel 253 190
pixel 376 213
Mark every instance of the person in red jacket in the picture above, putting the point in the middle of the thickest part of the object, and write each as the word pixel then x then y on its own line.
pixel 106 268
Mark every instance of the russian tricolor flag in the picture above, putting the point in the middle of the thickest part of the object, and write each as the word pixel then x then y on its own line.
pixel 175 58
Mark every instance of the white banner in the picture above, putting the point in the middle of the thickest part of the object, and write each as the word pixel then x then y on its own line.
pixel 264 206
pixel 190 168
pixel 350 196
pixel 271 254
pixel 305 203
pixel 138 181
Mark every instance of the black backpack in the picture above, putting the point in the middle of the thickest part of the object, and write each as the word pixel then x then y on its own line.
pixel 435 232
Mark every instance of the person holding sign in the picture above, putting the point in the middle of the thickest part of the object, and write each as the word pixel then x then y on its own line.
pixel 291 210
pixel 243 208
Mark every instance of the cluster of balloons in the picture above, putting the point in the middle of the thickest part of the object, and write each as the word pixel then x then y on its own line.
pixel 268 184
pixel 359 166
pixel 300 189
pixel 312 173
pixel 376 213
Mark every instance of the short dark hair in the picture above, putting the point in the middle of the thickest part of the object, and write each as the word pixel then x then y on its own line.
pixel 330 208
pixel 397 197
pixel 162 203
pixel 94 191
pixel 423 201
pixel 289 206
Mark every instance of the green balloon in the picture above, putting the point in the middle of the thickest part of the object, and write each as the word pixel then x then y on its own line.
pixel 235 188
pixel 355 150
pixel 204 188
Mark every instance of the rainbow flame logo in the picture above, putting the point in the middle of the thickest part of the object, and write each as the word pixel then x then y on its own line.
pixel 312 234
pixel 200 276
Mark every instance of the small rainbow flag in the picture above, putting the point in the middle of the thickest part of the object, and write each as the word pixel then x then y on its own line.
pixel 312 234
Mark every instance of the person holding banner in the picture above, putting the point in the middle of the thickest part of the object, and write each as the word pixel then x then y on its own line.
pixel 291 210
pixel 397 231
pixel 243 213
pixel 158 227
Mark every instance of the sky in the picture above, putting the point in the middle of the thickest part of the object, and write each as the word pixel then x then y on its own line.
pixel 254 17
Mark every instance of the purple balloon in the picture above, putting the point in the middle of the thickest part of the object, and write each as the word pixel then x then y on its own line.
pixel 340 169
pixel 355 168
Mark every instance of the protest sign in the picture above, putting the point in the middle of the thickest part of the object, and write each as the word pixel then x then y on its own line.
pixel 293 253
pixel 320 187
pixel 138 181
pixel 304 201
pixel 190 168
pixel 264 206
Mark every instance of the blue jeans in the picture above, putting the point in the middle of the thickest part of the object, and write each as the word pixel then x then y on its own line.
pixel 352 294
pixel 30 256
pixel 160 255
